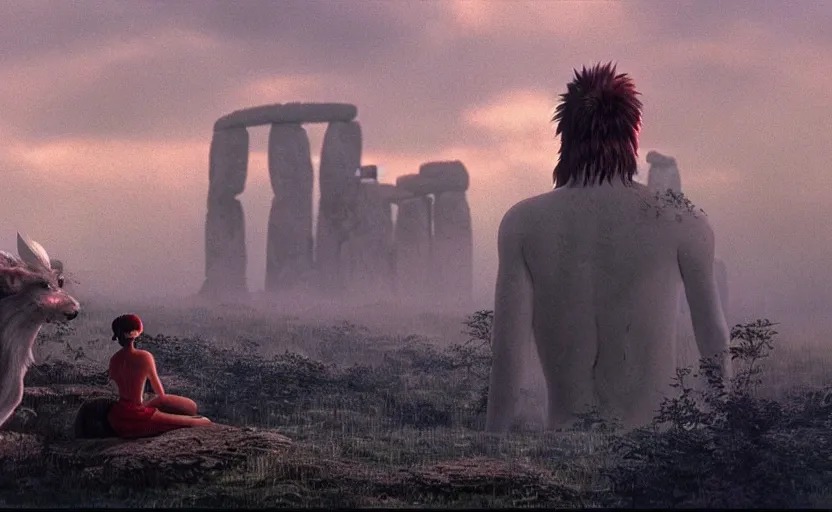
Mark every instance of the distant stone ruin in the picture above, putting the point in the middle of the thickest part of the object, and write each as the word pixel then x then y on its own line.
pixel 357 247
pixel 664 174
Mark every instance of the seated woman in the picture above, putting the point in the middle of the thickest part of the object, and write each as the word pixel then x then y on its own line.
pixel 130 368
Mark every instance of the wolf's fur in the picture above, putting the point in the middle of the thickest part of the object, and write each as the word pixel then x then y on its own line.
pixel 30 294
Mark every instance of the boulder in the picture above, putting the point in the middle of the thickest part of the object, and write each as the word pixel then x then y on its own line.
pixel 182 456
pixel 288 113
pixel 289 240
pixel 228 163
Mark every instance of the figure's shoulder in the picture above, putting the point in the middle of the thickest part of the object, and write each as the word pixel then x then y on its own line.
pixel 522 214
pixel 144 354
pixel 530 206
pixel 675 206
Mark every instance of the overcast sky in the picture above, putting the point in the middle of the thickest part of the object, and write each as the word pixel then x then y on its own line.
pixel 108 106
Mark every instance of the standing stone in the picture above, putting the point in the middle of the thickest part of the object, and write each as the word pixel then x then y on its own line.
pixel 289 242
pixel 367 253
pixel 225 247
pixel 340 159
pixel 228 162
pixel 413 242
pixel 453 247
pixel 663 174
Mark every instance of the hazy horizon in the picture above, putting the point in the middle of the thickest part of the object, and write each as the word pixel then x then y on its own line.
pixel 109 109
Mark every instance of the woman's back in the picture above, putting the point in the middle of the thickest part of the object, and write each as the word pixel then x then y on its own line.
pixel 128 369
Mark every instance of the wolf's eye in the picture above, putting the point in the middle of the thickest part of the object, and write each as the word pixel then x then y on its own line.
pixel 60 282
pixel 44 285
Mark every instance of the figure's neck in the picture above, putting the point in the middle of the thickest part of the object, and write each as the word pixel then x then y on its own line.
pixel 616 183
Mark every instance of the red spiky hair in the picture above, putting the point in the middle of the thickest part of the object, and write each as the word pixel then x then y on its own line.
pixel 598 118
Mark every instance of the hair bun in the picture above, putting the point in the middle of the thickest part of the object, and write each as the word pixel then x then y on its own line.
pixel 126 323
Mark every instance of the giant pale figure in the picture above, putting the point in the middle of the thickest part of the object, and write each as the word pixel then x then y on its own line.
pixel 590 271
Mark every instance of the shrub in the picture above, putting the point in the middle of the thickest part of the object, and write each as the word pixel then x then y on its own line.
pixel 725 447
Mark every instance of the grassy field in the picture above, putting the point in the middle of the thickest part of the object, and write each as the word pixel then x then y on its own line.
pixel 381 417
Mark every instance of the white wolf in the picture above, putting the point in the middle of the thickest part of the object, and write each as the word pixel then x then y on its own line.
pixel 31 294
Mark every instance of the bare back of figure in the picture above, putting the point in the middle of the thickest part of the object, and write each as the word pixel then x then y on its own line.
pixel 606 275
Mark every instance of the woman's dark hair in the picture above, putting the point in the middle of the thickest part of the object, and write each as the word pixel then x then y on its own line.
pixel 598 118
pixel 124 325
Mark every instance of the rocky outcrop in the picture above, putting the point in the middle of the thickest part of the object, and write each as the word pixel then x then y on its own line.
pixel 177 457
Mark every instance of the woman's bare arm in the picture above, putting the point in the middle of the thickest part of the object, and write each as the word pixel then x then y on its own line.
pixel 155 383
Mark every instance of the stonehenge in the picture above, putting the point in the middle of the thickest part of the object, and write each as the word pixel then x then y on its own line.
pixel 356 245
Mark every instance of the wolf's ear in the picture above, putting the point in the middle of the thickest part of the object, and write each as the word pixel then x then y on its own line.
pixel 32 253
